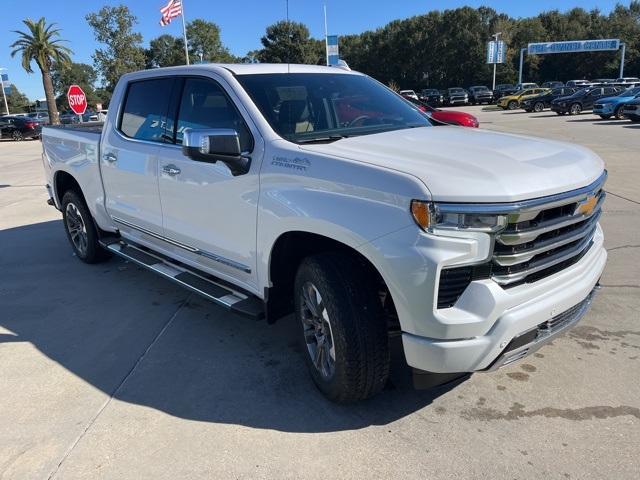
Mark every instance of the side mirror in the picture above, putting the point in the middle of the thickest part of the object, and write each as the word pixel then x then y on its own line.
pixel 215 144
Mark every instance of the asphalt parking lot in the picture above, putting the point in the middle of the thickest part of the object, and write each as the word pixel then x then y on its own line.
pixel 107 371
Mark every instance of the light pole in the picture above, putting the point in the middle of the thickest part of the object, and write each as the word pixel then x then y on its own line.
pixel 4 95
pixel 495 35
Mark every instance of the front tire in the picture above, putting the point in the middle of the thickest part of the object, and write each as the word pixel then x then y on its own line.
pixel 618 113
pixel 81 231
pixel 512 105
pixel 575 109
pixel 17 136
pixel 344 331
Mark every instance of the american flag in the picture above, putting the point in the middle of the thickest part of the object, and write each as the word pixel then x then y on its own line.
pixel 172 10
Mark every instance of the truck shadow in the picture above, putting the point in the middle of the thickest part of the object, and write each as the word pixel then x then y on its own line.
pixel 204 363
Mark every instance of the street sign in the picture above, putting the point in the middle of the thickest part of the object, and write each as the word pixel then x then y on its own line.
pixel 496 52
pixel 543 48
pixel 332 50
pixel 77 100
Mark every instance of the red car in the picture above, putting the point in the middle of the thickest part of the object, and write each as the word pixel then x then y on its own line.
pixel 450 117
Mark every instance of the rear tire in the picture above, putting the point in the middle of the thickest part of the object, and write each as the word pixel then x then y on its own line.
pixel 81 231
pixel 538 107
pixel 344 331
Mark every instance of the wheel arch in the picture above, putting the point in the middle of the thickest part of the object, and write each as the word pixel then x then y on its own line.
pixel 286 254
pixel 62 182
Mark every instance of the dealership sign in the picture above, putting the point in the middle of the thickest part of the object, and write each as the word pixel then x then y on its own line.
pixel 496 52
pixel 333 56
pixel 543 48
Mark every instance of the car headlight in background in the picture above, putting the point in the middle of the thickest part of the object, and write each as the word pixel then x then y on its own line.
pixel 430 217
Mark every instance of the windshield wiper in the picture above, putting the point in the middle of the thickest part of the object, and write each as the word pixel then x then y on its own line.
pixel 327 139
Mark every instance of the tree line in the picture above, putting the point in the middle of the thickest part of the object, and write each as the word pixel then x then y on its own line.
pixel 437 49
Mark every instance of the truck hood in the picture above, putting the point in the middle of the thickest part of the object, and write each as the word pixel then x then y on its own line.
pixel 469 165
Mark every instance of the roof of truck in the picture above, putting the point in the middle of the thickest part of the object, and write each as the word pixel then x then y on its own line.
pixel 258 68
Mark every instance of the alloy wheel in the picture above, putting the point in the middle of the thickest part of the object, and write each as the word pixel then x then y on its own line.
pixel 538 107
pixel 77 229
pixel 575 109
pixel 317 331
pixel 17 136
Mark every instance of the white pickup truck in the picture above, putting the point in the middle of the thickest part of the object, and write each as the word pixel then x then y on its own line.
pixel 275 189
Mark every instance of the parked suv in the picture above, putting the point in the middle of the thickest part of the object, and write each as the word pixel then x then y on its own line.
pixel 511 102
pixel 632 110
pixel 479 95
pixel 538 103
pixel 552 84
pixel 456 96
pixel 582 100
pixel 614 106
pixel 503 89
pixel 432 96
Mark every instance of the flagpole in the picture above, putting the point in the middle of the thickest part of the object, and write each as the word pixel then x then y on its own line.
pixel 326 44
pixel 184 33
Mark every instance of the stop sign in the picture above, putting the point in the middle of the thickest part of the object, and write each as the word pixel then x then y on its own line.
pixel 77 100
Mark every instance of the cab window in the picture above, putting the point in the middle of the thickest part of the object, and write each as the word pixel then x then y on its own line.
pixel 145 109
pixel 204 104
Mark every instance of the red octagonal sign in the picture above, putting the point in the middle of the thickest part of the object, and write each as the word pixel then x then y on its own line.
pixel 77 100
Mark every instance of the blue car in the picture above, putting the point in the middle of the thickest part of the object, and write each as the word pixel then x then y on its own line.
pixel 614 106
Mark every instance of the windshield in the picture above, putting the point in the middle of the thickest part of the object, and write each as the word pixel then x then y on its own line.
pixel 631 92
pixel 431 92
pixel 456 90
pixel 311 107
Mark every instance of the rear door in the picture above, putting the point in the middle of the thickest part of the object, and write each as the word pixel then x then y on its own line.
pixel 208 213
pixel 129 159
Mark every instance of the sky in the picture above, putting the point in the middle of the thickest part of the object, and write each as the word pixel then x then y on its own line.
pixel 242 22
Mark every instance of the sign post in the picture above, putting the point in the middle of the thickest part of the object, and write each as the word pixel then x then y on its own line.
pixel 77 100
pixel 4 78
pixel 496 50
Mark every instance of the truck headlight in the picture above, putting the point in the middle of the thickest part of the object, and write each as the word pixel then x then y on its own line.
pixel 430 217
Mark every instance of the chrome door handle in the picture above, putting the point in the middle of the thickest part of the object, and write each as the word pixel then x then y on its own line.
pixel 110 157
pixel 171 170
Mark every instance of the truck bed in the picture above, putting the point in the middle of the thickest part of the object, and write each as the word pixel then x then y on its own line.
pixel 90 127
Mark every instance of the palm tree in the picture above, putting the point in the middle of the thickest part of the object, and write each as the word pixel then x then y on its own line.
pixel 41 45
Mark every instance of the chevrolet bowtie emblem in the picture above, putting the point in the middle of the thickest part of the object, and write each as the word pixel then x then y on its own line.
pixel 587 206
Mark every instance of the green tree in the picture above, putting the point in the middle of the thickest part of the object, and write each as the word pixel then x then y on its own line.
pixel 16 101
pixel 123 52
pixel 165 51
pixel 74 74
pixel 42 45
pixel 204 39
pixel 289 42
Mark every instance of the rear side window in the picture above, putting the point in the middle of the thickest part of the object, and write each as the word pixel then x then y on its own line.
pixel 204 104
pixel 145 109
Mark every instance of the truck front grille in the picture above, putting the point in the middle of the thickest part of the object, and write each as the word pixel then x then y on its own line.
pixel 539 243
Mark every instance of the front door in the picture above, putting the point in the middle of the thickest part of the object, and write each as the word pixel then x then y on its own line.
pixel 207 210
pixel 129 159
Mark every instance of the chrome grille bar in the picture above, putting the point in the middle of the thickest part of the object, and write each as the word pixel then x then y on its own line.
pixel 587 229
pixel 545 237
pixel 530 234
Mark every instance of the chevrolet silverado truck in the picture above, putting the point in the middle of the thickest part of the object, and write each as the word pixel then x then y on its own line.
pixel 314 191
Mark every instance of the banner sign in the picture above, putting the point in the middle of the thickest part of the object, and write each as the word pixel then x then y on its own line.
pixel 496 52
pixel 332 50
pixel 544 48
